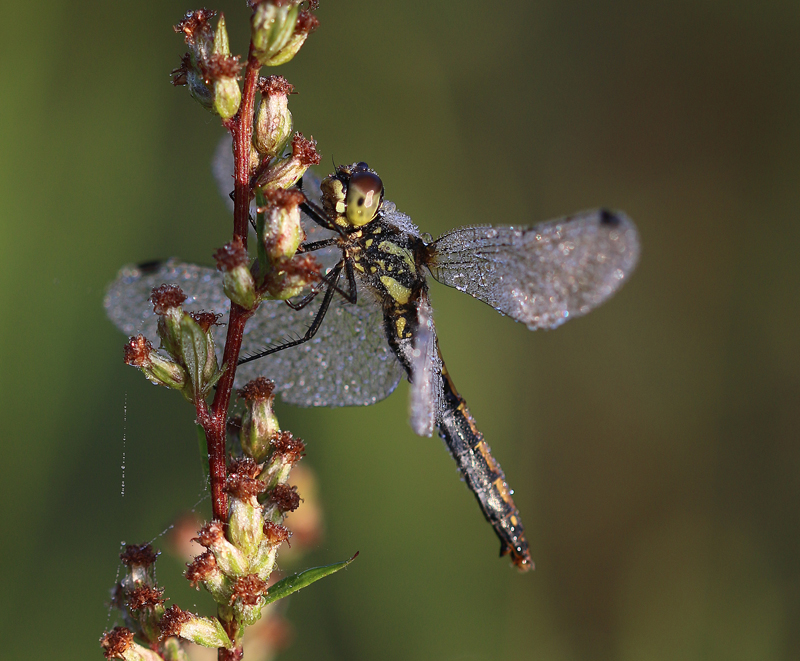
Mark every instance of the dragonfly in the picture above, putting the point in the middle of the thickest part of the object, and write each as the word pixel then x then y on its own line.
pixel 375 322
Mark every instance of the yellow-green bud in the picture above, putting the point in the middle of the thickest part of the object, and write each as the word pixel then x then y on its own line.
pixel 285 173
pixel 279 29
pixel 221 43
pixel 286 452
pixel 119 644
pixel 157 369
pixel 229 559
pixel 259 423
pixel 208 68
pixel 274 120
pixel 172 650
pixel 237 281
pixel 204 631
pixel 290 277
pixel 283 232
pixel 272 26
pixel 239 286
pixel 245 523
pixel 227 97
pixel 289 50
pixel 167 301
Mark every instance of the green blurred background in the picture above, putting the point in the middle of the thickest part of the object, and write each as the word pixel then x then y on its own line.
pixel 653 445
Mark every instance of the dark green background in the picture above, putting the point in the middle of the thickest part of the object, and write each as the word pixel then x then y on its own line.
pixel 653 445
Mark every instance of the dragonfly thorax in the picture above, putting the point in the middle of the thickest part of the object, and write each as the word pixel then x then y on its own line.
pixel 386 260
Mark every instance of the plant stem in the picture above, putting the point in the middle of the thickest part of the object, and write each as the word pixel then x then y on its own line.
pixel 214 423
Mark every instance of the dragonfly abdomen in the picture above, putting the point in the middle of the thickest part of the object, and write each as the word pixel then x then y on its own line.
pixel 483 474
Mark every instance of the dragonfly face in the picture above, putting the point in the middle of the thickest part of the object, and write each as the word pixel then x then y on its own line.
pixel 540 275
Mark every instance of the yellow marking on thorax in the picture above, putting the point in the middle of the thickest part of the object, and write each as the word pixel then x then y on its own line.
pixel 401 326
pixel 368 242
pixel 394 249
pixel 397 291
pixel 358 266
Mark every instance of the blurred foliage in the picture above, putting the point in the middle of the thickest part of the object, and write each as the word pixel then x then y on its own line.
pixel 653 444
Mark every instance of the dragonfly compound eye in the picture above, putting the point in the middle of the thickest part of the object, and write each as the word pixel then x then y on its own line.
pixel 364 197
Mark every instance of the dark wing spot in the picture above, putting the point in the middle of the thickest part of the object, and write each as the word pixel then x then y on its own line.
pixel 608 218
pixel 150 267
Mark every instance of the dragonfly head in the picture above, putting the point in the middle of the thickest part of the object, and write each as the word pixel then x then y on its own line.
pixel 352 195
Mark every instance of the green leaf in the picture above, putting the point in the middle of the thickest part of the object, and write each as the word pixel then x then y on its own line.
pixel 194 348
pixel 298 581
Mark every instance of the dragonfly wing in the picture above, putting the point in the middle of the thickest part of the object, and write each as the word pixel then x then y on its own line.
pixel 347 363
pixel 541 275
pixel 426 393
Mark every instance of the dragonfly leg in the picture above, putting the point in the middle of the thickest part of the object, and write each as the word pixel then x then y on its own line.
pixel 317 245
pixel 312 330
pixel 304 301
pixel 352 295
pixel 318 215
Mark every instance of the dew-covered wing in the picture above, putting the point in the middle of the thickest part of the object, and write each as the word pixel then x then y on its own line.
pixel 347 363
pixel 541 275
pixel 425 392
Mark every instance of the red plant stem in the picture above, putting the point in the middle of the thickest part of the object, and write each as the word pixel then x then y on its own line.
pixel 214 424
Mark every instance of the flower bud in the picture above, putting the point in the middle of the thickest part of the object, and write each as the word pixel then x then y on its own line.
pixel 140 560
pixel 285 172
pixel 282 233
pixel 204 631
pixel 290 277
pixel 237 281
pixel 208 68
pixel 172 650
pixel 227 96
pixel 193 78
pixel 282 500
pixel 245 524
pixel 221 45
pixel 279 29
pixel 271 27
pixel 286 452
pixel 229 559
pixel 275 534
pixel 259 423
pixel 167 301
pixel 273 121
pixel 119 644
pixel 204 569
pixel 199 36
pixel 224 71
pixel 136 595
pixel 248 598
pixel 156 368
pixel 306 23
